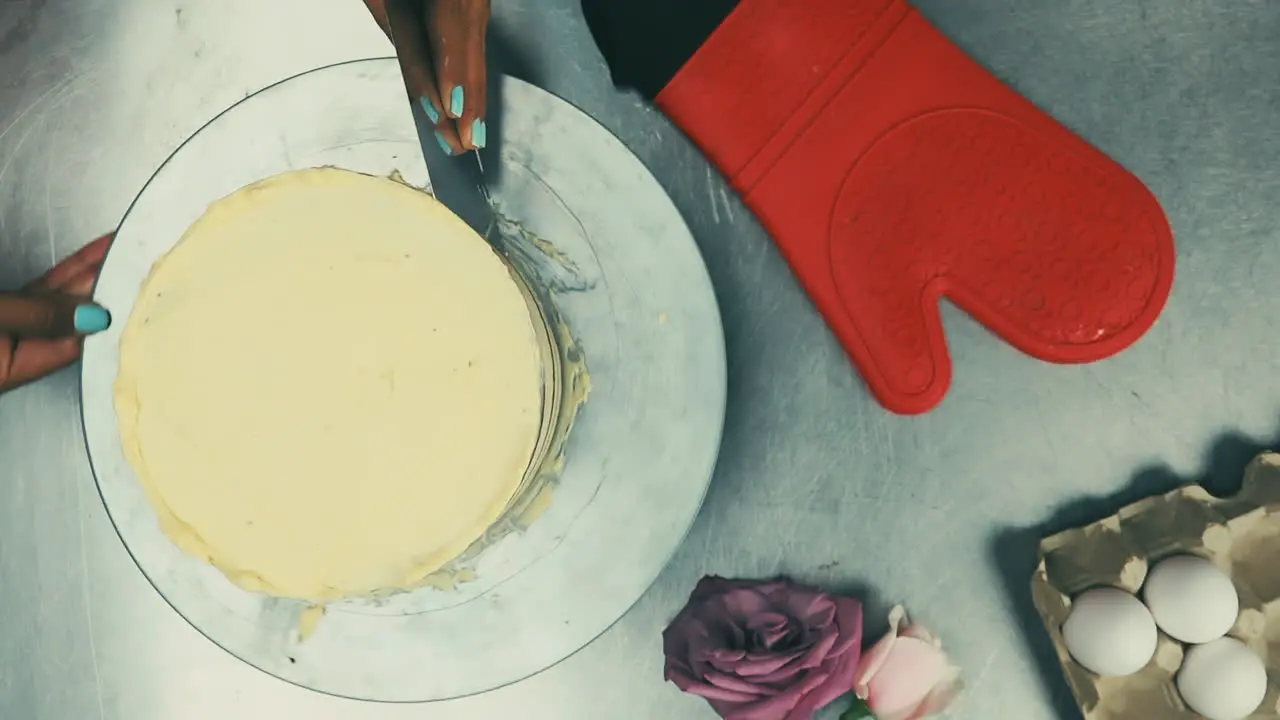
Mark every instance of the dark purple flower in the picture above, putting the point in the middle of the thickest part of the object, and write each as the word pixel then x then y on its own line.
pixel 764 650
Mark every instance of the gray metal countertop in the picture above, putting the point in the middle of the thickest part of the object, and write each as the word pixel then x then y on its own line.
pixel 941 512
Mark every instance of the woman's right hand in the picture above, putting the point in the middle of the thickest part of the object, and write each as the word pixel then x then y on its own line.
pixel 440 44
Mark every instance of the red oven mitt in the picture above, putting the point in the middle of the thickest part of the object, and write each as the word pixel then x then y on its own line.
pixel 893 171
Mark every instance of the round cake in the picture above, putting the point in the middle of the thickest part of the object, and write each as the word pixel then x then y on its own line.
pixel 330 387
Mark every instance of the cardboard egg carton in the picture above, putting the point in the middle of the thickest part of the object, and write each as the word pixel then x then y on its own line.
pixel 1240 534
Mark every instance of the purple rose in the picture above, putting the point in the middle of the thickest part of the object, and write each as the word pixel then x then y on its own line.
pixel 764 650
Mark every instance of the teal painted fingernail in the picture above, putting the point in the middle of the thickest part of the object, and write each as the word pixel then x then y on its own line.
pixel 456 101
pixel 479 133
pixel 431 110
pixel 91 319
pixel 444 144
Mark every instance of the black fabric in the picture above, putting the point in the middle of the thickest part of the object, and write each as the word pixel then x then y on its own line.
pixel 645 42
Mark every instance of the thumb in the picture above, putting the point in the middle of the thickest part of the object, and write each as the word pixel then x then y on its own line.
pixel 50 315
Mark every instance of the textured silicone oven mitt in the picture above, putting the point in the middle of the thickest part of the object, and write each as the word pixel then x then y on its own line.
pixel 892 170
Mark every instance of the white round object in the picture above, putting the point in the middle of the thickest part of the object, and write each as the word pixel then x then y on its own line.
pixel 1222 680
pixel 1110 632
pixel 616 270
pixel 1191 599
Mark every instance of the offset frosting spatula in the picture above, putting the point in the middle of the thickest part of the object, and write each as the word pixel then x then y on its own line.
pixel 456 180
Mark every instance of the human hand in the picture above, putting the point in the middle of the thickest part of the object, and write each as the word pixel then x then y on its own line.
pixel 53 312
pixel 440 44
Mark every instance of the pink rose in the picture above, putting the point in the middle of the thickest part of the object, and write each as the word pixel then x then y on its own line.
pixel 906 675
pixel 769 650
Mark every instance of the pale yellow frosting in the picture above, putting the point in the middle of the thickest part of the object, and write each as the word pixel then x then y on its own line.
pixel 330 387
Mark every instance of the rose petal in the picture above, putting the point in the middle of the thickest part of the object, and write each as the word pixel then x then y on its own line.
pixel 782 677
pixel 849 620
pixel 941 697
pixel 719 695
pixel 907 676
pixel 869 666
pixel 694 649
pixel 734 635
pixel 934 703
pixel 816 612
pixel 736 684
pixel 681 679
pixel 777 707
pixel 675 638
pixel 785 673
pixel 821 649
pixel 873 659
pixel 687 627
pixel 759 665
pixel 697 686
pixel 769 629
pixel 744 603
pixel 676 665
pixel 724 655
pixel 768 621
pixel 898 618
pixel 724 660
pixel 710 627
pixel 837 684
pixel 799 601
pixel 673 669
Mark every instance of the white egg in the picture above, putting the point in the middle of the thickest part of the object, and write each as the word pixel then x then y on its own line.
pixel 1222 680
pixel 1109 632
pixel 1191 599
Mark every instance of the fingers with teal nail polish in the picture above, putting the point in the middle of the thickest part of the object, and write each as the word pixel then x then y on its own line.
pixel 432 113
pixel 457 101
pixel 479 133
pixel 91 319
pixel 444 143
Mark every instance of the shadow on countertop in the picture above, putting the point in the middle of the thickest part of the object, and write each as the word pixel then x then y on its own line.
pixel 1015 549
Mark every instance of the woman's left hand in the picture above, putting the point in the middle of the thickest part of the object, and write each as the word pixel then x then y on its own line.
pixel 23 359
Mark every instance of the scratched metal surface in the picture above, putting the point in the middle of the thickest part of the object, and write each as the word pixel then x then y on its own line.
pixel 941 511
